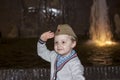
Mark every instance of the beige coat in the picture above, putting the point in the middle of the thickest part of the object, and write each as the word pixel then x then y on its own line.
pixel 72 70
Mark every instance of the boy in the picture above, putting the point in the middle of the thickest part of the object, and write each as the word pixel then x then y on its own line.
pixel 65 64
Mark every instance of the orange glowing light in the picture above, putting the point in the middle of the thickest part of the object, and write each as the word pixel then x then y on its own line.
pixel 105 43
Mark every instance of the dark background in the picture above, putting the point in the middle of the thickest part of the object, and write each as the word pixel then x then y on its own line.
pixel 16 20
pixel 22 21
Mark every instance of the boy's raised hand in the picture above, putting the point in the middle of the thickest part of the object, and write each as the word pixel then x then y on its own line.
pixel 47 35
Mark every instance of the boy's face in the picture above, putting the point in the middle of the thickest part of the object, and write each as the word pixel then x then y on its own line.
pixel 63 44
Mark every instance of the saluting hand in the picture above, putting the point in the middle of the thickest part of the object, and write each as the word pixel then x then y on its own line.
pixel 47 35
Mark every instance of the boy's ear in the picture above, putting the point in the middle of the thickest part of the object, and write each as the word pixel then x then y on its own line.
pixel 74 44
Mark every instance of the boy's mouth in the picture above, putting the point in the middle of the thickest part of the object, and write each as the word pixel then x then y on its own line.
pixel 59 49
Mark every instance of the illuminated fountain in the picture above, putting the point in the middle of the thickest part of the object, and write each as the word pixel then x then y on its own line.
pixel 100 32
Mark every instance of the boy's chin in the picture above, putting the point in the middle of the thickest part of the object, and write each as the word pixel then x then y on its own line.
pixel 62 54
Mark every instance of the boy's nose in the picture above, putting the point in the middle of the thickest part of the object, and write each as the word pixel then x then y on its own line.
pixel 59 45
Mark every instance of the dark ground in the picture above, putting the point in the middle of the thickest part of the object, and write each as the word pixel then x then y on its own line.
pixel 22 53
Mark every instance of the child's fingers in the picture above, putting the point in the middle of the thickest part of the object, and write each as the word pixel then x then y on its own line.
pixel 51 35
pixel 47 35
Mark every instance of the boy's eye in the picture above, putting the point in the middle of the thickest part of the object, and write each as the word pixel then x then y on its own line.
pixel 56 42
pixel 63 42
